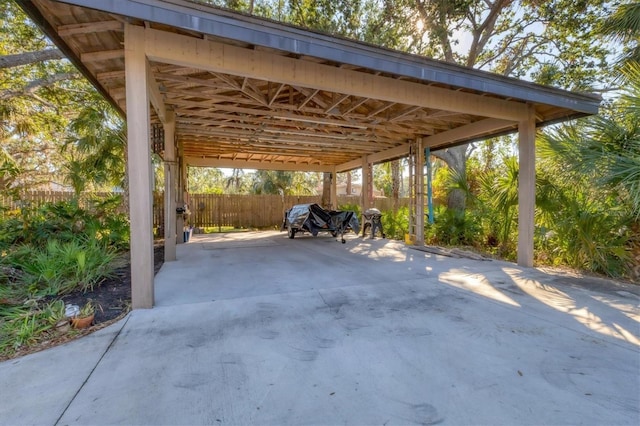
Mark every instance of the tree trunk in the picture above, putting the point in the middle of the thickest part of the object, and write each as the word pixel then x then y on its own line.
pixel 395 184
pixel 326 189
pixel 348 190
pixel 456 159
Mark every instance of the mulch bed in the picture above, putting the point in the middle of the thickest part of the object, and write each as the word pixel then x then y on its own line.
pixel 112 297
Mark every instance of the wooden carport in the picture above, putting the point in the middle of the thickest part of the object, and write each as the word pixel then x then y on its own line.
pixel 230 90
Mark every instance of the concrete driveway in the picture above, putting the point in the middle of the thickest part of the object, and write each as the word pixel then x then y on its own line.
pixel 254 328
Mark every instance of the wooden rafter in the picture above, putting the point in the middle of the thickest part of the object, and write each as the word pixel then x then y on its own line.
pixel 89 27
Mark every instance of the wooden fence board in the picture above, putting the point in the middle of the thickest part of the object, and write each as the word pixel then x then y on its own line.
pixel 210 210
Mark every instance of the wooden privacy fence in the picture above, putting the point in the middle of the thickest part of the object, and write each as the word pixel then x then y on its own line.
pixel 38 198
pixel 209 210
pixel 242 211
pixel 259 211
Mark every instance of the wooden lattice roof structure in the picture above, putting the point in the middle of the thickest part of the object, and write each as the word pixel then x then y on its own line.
pixel 250 92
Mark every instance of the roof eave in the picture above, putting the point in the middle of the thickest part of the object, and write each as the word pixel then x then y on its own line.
pixel 275 35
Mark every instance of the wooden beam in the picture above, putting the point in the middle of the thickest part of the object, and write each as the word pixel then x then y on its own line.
pixel 219 57
pixel 450 136
pixel 351 165
pixel 404 113
pixel 375 158
pixel 89 27
pixel 310 96
pixel 389 154
pixel 259 165
pixel 110 75
pixel 254 92
pixel 355 104
pixel 248 130
pixel 380 109
pixel 189 80
pixel 259 97
pixel 277 92
pixel 154 94
pixel 289 141
pixel 103 55
pixel 466 132
pixel 335 103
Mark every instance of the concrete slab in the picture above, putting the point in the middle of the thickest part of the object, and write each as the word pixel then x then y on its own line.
pixel 37 388
pixel 254 328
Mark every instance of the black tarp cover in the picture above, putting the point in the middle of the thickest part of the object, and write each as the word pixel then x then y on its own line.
pixel 313 218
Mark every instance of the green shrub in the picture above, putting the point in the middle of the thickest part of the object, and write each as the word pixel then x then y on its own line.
pixel 585 237
pixel 24 325
pixel 62 267
pixel 454 227
pixel 352 207
pixel 396 225
pixel 66 221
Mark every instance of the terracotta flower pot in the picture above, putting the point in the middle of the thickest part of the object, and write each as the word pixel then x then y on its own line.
pixel 82 322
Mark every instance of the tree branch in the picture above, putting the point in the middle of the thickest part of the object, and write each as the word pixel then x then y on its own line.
pixel 30 88
pixel 10 61
pixel 483 33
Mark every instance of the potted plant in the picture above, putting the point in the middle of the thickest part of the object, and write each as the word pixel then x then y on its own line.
pixel 85 318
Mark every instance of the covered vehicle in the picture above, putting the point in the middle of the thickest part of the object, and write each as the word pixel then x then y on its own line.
pixel 313 219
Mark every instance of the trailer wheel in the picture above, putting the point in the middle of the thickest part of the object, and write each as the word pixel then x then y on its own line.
pixel 291 233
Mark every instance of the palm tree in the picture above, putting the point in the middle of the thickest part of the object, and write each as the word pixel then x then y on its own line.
pixel 624 26
pixel 97 146
pixel 599 161
pixel 500 193
pixel 272 182
pixel 606 147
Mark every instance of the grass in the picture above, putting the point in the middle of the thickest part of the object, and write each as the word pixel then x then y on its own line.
pixel 222 229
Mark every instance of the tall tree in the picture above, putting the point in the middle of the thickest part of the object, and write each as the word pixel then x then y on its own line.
pixel 235 182
pixel 206 180
pixel 547 41
pixel 39 93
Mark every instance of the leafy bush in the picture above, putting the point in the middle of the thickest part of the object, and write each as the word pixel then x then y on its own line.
pixel 23 325
pixel 62 267
pixel 67 221
pixel 585 237
pixel 352 207
pixel 49 251
pixel 396 225
pixel 455 227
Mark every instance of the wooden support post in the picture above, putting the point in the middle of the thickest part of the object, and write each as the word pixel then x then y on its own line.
pixel 334 190
pixel 526 188
pixel 180 173
pixel 366 176
pixel 419 174
pixel 139 167
pixel 185 193
pixel 169 187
